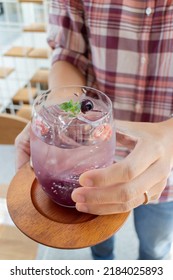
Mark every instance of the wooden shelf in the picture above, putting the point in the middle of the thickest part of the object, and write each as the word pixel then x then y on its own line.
pixel 5 71
pixel 28 52
pixel 35 27
pixel 24 95
pixel 31 1
pixel 41 76
pixel 39 53
pixel 18 51
pixel 25 112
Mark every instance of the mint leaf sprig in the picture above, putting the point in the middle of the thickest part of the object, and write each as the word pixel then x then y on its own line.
pixel 71 107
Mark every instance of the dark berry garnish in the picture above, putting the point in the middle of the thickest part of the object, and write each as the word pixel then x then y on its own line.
pixel 86 105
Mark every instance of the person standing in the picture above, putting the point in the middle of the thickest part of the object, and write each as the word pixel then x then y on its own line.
pixel 125 49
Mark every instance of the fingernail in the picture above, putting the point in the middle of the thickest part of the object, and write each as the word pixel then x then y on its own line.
pixel 82 208
pixel 78 198
pixel 87 183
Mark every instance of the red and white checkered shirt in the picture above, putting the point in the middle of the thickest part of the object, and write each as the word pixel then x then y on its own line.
pixel 124 48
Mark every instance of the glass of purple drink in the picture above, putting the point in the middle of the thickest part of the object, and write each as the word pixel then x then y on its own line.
pixel 72 131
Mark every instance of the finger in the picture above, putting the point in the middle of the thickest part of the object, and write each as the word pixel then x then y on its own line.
pixel 104 209
pixel 97 195
pixel 155 192
pixel 124 192
pixel 126 170
pixel 113 208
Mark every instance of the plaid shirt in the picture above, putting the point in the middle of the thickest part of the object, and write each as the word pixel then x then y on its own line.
pixel 124 48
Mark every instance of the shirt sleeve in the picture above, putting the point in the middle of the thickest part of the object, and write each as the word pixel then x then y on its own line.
pixel 67 34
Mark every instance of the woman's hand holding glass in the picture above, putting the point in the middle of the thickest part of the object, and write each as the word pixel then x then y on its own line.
pixel 121 186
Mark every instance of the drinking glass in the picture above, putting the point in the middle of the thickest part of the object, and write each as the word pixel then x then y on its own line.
pixel 72 131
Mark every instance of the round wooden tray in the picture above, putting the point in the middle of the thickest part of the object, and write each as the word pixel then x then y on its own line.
pixel 52 225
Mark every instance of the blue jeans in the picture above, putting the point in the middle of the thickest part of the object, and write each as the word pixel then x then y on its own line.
pixel 154 228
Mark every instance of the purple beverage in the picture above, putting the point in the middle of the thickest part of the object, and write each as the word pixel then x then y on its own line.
pixel 71 132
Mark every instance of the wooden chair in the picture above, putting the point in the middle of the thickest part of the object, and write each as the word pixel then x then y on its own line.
pixel 13 244
pixel 25 111
pixel 10 127
pixel 25 95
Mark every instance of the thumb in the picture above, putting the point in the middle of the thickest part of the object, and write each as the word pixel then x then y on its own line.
pixel 22 144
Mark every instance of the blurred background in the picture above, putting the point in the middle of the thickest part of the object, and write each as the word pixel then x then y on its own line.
pixel 24 53
pixel 24 64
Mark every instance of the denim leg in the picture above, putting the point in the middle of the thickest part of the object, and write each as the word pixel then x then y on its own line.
pixel 154 227
pixel 103 250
